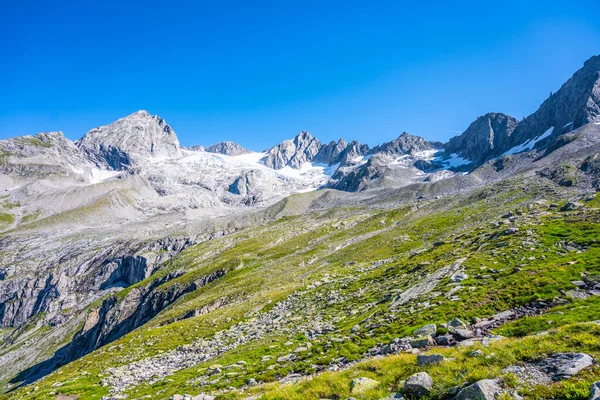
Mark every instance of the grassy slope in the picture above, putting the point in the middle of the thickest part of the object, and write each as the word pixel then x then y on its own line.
pixel 284 258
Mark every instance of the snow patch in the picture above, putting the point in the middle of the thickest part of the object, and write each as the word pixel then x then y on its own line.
pixel 528 145
pixel 99 175
pixel 455 161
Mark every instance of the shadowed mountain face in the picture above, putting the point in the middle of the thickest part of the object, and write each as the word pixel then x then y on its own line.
pixel 182 257
pixel 486 136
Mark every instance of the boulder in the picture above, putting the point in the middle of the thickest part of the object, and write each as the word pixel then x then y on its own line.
pixel 458 277
pixel 445 340
pixel 570 206
pixel 486 389
pixel 564 365
pixel 456 323
pixel 287 357
pixel 429 359
pixel 418 385
pixel 423 341
pixel 595 391
pixel 463 333
pixel 359 385
pixel 427 330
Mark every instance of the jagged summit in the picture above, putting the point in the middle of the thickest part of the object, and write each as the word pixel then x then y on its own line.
pixel 484 137
pixel 495 134
pixel 227 148
pixel 575 104
pixel 130 140
pixel 294 153
pixel 406 144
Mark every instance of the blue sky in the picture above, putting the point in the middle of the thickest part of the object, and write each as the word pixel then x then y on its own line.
pixel 257 72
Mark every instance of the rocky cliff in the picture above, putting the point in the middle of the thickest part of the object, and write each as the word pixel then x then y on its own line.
pixel 130 141
pixel 227 148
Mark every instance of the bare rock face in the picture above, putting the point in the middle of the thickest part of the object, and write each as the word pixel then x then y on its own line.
pixel 483 137
pixel 577 103
pixel 228 149
pixel 293 153
pixel 331 153
pixel 353 152
pixel 130 141
pixel 40 156
pixel 406 144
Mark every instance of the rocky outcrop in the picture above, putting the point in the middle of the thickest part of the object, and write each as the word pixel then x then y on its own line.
pixel 130 141
pixel 250 185
pixel 406 144
pixel 116 318
pixel 294 153
pixel 485 389
pixel 228 149
pixel 331 153
pixel 353 153
pixel 360 178
pixel 418 385
pixel 40 156
pixel 483 138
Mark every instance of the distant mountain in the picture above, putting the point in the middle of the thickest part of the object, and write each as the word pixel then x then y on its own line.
pixel 294 153
pixel 227 148
pixel 574 105
pixel 130 141
pixel 304 148
pixel 483 138
pixel 406 144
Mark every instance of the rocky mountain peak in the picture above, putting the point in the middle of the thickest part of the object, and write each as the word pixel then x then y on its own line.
pixel 130 140
pixel 575 104
pixel 293 153
pixel 332 152
pixel 227 148
pixel 406 144
pixel 483 137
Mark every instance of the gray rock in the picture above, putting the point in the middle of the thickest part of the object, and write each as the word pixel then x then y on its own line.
pixel 570 206
pixel 418 385
pixel 423 341
pixel 429 359
pixel 565 365
pixel 227 148
pixel 427 330
pixel 483 137
pixel 361 384
pixel 486 389
pixel 445 340
pixel 489 339
pixel 286 358
pixel 458 277
pixel 301 149
pixel 406 144
pixel 595 391
pixel 528 374
pixel 130 141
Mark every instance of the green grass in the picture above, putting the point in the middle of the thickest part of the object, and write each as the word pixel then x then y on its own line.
pixel 369 256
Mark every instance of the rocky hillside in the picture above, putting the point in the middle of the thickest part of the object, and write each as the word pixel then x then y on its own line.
pixel 131 267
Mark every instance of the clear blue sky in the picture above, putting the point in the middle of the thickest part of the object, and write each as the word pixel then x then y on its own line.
pixel 257 72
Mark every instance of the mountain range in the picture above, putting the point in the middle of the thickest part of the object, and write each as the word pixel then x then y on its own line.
pixel 132 266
